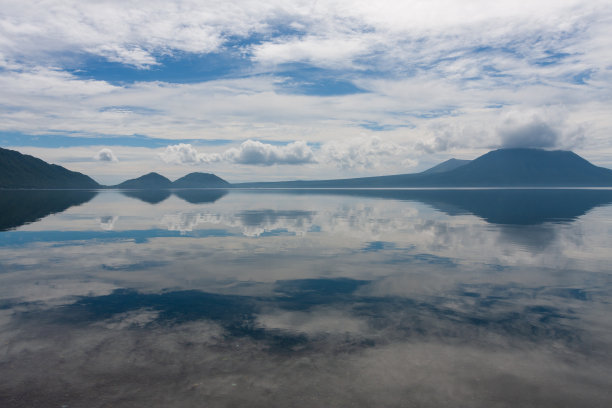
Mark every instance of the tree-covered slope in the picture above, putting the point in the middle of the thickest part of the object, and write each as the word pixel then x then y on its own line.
pixel 23 171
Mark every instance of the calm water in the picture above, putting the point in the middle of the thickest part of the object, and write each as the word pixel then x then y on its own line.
pixel 487 298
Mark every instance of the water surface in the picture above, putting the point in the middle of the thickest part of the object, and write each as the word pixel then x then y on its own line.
pixel 216 298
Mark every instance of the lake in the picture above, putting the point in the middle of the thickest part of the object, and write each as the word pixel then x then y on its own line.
pixel 306 298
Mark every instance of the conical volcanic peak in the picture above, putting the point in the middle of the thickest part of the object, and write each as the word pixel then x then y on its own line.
pixel 523 167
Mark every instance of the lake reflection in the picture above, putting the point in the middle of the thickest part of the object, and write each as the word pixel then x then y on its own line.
pixel 306 298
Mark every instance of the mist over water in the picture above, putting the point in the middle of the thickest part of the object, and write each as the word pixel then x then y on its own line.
pixel 306 298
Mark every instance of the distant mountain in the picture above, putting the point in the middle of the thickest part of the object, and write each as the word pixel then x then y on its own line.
pixel 527 167
pixel 498 168
pixel 151 181
pixel 23 171
pixel 200 180
pixel 450 164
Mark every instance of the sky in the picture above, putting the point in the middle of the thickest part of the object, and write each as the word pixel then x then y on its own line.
pixel 278 90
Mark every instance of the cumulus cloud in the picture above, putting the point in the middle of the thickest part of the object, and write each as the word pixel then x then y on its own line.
pixel 250 152
pixel 185 153
pixel 435 145
pixel 263 154
pixel 361 152
pixel 106 155
pixel 353 153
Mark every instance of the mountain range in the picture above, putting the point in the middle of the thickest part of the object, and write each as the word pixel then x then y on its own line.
pixel 519 167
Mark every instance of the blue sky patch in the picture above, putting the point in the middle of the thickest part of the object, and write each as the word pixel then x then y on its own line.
pixel 581 78
pixel 179 68
pixel 65 140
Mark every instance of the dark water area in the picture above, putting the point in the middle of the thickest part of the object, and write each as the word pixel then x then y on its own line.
pixel 301 298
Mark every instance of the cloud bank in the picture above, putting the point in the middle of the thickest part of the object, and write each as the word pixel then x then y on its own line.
pixel 540 129
pixel 536 134
pixel 250 152
pixel 361 152
pixel 355 153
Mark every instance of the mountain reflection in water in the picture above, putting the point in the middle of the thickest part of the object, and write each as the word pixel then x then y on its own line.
pixel 18 207
pixel 194 196
pixel 498 206
pixel 306 298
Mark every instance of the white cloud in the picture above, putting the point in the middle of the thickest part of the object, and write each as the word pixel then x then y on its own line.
pixel 328 33
pixel 184 153
pixel 355 153
pixel 250 152
pixel 130 56
pixel 130 32
pixel 327 52
pixel 106 155
pixel 362 152
pixel 264 154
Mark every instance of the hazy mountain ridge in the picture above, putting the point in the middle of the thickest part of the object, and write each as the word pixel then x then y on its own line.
pixel 450 164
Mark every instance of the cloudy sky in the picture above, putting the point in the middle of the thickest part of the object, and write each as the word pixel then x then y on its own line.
pixel 268 90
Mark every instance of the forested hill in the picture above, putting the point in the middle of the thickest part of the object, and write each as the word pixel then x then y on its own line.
pixel 23 171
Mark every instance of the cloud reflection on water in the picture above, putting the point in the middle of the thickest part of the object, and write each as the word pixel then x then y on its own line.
pixel 360 300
